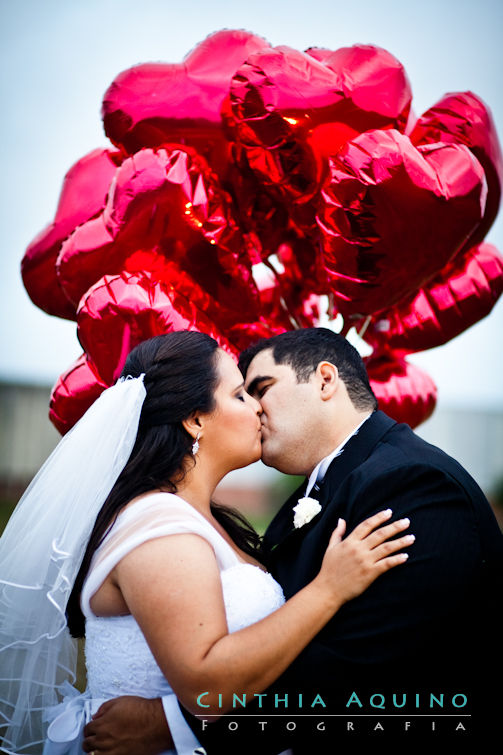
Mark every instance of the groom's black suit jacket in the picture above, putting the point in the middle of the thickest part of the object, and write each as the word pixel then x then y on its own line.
pixel 427 626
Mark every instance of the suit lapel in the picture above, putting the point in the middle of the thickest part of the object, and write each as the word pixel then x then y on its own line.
pixel 282 523
pixel 356 450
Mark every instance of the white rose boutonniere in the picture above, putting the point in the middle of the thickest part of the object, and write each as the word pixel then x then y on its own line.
pixel 305 510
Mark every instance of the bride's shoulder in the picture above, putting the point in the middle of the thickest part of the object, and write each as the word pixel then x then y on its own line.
pixel 158 513
pixel 151 515
pixel 156 504
pixel 151 497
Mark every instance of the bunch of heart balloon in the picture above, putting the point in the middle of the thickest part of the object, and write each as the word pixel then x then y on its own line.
pixel 253 189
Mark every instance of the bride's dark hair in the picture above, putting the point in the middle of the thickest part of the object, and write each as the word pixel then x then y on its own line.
pixel 180 378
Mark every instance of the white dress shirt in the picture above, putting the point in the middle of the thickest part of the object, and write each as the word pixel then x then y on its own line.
pixel 318 474
pixel 186 742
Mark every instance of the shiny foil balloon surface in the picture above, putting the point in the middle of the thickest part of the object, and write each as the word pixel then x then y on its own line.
pixel 154 103
pixel 83 194
pixel 121 311
pixel 402 390
pixel 73 394
pixel 463 118
pixel 459 296
pixel 291 111
pixel 251 190
pixel 392 214
pixel 164 207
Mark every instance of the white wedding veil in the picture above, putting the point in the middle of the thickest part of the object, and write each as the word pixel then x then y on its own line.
pixel 40 554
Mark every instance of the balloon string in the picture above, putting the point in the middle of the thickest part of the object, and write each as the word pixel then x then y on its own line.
pixel 292 319
pixel 271 267
pixel 365 326
pixel 296 325
pixel 331 306
pixel 268 263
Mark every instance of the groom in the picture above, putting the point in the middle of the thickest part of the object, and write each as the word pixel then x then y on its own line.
pixel 409 654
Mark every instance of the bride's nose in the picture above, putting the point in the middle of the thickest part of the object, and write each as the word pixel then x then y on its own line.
pixel 257 407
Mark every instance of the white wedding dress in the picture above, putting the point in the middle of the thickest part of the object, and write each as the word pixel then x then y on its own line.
pixel 118 659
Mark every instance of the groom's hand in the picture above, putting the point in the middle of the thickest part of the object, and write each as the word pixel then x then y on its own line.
pixel 127 725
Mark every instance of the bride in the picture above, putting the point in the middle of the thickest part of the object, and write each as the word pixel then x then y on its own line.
pixel 118 539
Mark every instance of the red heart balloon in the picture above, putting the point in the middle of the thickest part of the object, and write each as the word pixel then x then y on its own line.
pixel 73 394
pixel 458 297
pixel 80 385
pixel 83 194
pixel 376 84
pixel 403 391
pixel 291 110
pixel 315 178
pixel 161 269
pixel 392 215
pixel 120 311
pixel 463 118
pixel 164 204
pixel 154 103
pixel 264 220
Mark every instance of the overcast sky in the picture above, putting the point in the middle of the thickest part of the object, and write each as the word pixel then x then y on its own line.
pixel 59 56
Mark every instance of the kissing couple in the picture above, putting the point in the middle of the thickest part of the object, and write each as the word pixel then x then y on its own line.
pixel 182 605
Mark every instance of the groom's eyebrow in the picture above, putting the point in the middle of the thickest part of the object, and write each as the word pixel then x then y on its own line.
pixel 252 388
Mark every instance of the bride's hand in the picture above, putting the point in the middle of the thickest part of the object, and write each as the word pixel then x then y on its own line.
pixel 351 565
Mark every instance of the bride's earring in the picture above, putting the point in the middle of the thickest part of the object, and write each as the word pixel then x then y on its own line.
pixel 195 445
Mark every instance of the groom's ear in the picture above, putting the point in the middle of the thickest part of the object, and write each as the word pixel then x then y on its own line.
pixel 327 376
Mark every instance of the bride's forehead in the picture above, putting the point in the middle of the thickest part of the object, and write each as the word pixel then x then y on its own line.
pixel 227 368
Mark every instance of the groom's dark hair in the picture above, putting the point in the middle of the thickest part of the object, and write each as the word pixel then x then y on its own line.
pixel 304 349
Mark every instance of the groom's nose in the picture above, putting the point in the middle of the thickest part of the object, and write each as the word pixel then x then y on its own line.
pixel 258 406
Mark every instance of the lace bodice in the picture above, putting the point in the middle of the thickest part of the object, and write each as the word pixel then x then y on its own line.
pixel 118 658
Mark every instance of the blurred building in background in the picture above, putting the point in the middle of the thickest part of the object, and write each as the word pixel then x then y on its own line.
pixel 472 436
pixel 27 437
